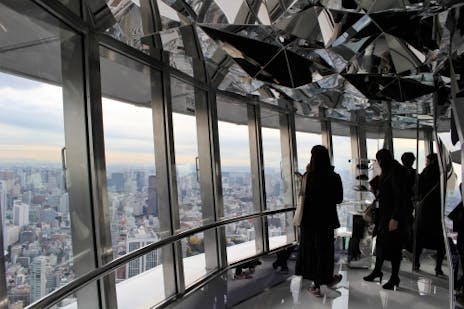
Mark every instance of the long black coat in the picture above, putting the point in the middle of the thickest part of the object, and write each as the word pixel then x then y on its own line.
pixel 324 191
pixel 392 205
pixel 428 215
pixel 315 260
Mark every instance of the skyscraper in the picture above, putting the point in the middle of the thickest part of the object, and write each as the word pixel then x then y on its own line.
pixel 38 277
pixel 152 200
pixel 3 210
pixel 143 263
pixel 20 213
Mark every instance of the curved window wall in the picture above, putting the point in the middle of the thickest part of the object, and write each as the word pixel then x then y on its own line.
pixel 132 152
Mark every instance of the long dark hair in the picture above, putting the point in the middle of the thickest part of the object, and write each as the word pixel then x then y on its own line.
pixel 320 159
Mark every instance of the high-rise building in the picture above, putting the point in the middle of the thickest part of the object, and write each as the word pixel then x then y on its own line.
pixel 3 210
pixel 38 277
pixel 20 213
pixel 117 180
pixel 143 263
pixel 152 200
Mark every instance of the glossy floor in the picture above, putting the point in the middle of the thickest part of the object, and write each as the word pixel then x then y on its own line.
pixel 417 290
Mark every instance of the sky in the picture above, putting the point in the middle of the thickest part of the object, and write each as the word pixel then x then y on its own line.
pixel 32 130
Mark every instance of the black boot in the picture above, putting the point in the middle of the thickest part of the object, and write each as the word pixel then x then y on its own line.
pixel 392 283
pixel 373 275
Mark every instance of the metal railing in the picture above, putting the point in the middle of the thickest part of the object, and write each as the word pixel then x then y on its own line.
pixel 90 277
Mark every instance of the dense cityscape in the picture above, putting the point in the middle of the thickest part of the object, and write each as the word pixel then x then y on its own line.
pixel 37 225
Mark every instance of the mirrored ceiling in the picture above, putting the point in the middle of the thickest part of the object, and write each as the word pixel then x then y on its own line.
pixel 335 55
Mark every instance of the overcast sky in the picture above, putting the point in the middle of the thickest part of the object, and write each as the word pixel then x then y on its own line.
pixel 31 130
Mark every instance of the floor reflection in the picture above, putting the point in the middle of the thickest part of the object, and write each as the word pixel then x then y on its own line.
pixel 416 290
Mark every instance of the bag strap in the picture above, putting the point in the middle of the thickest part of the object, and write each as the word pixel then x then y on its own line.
pixel 428 193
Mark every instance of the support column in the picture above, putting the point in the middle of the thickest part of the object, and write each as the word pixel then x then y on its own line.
pixel 326 132
pixel 257 175
pixel 388 137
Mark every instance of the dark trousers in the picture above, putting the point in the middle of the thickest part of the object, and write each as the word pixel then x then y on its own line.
pixel 438 260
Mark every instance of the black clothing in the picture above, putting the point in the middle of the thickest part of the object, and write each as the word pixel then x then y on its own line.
pixel 429 231
pixel 392 199
pixel 428 214
pixel 323 192
pixel 411 176
pixel 316 256
pixel 392 205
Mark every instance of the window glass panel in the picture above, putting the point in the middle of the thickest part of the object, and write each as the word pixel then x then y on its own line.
pixel 133 202
pixel 276 168
pixel 34 204
pixel 241 240
pixel 235 157
pixel 129 153
pixel 343 165
pixel 402 145
pixel 453 196
pixel 194 258
pixel 280 230
pixel 373 145
pixel 186 154
pixel 304 143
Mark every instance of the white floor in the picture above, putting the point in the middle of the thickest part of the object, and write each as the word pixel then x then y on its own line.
pixel 417 290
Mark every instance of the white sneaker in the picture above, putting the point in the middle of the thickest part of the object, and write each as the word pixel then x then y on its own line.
pixel 329 293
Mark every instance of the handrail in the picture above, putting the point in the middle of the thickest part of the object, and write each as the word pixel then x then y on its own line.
pixel 91 276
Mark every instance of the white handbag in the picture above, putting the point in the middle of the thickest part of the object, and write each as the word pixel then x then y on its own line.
pixel 300 202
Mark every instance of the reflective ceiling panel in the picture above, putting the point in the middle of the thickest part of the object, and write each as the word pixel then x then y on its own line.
pixel 341 55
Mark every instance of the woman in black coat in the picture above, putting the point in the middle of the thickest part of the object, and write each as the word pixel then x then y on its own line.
pixel 392 224
pixel 428 214
pixel 323 192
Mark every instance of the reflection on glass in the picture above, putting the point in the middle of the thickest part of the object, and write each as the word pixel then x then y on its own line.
pixel 240 238
pixel 128 27
pixel 343 165
pixel 453 195
pixel 276 168
pixel 280 230
pixel 235 158
pixel 194 258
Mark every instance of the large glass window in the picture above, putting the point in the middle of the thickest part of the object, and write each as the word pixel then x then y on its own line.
pixel 130 165
pixel 235 157
pixel 186 154
pixel 306 139
pixel 241 240
pixel 344 165
pixel 276 167
pixel 280 229
pixel 40 255
pixel 402 145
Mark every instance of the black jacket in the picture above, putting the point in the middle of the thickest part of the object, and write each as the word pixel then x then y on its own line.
pixel 324 191
pixel 392 199
pixel 428 215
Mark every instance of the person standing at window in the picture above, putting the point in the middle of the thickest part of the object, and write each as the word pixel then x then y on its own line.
pixel 428 214
pixel 408 159
pixel 392 218
pixel 323 192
